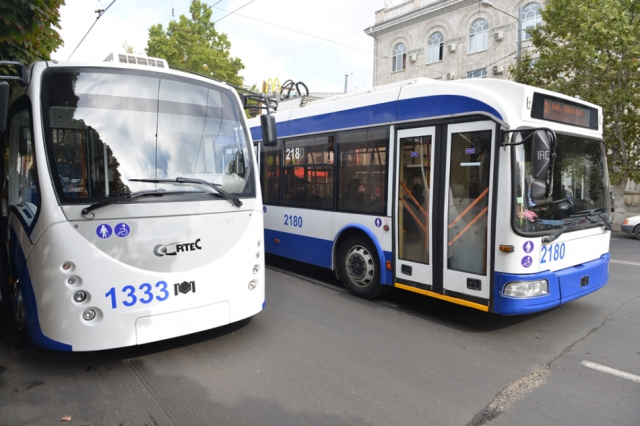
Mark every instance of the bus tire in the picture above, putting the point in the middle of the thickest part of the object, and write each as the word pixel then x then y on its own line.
pixel 359 267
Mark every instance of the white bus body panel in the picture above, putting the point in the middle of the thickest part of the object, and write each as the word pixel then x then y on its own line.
pixel 221 271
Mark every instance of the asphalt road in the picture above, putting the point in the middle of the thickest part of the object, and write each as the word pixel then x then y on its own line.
pixel 319 356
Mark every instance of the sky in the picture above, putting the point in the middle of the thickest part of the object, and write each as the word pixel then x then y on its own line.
pixel 316 42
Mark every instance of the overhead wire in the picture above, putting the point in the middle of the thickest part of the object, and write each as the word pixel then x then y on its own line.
pixel 100 13
pixel 295 31
pixel 230 13
pixel 317 44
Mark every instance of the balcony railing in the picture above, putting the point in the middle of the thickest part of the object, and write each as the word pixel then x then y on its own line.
pixel 402 9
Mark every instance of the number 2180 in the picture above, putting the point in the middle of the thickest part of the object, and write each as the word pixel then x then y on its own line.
pixel 552 252
pixel 295 221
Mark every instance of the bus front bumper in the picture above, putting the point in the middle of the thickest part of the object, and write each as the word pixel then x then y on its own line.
pixel 565 285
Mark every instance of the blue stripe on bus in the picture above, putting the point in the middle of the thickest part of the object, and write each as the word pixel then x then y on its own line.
pixel 441 105
pixel 564 286
pixel 314 251
pixel 29 299
pixel 388 112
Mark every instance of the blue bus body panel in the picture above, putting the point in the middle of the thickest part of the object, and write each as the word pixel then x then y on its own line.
pixel 29 299
pixel 317 251
pixel 564 286
pixel 298 247
pixel 441 105
pixel 377 114
pixel 356 117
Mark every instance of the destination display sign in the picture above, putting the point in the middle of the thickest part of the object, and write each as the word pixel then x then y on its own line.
pixel 561 111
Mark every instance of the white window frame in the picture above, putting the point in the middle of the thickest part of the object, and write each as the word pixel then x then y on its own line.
pixel 480 73
pixel 399 58
pixel 435 48
pixel 531 18
pixel 479 35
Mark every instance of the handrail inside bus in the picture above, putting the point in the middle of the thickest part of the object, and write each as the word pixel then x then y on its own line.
pixel 476 201
pixel 414 199
pixel 423 227
pixel 466 228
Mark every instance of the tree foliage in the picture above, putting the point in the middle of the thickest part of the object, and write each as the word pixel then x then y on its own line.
pixel 194 44
pixel 591 50
pixel 28 29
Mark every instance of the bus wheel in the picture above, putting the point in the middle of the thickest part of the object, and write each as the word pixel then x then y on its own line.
pixel 359 267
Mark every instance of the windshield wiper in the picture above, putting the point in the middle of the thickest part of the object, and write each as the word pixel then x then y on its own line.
pixel 593 216
pixel 120 198
pixel 231 198
pixel 555 235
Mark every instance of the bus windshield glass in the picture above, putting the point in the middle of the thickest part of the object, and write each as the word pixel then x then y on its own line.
pixel 105 128
pixel 579 188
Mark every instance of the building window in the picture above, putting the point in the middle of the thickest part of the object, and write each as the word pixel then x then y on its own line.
pixel 531 18
pixel 482 73
pixel 399 57
pixel 436 46
pixel 478 36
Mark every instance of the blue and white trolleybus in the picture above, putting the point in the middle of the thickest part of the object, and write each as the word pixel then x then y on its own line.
pixel 484 193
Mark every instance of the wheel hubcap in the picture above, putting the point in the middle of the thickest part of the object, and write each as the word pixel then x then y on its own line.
pixel 360 266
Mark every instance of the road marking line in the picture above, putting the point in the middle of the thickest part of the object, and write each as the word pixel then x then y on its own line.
pixel 625 262
pixel 612 371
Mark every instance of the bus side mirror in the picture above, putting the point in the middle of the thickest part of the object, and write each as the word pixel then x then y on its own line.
pixel 4 105
pixel 269 134
pixel 542 157
pixel 538 189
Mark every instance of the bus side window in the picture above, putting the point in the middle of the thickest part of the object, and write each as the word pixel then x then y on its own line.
pixel 21 167
pixel 270 163
pixel 363 170
pixel 308 171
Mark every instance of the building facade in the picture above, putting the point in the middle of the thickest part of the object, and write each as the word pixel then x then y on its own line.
pixel 450 39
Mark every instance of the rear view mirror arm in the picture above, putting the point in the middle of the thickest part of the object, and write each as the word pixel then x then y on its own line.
pixel 532 130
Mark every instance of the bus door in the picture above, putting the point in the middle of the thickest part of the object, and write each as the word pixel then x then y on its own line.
pixel 414 175
pixel 466 241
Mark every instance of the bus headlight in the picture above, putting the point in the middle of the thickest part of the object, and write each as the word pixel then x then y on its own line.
pixel 523 289
pixel 256 268
pixel 253 284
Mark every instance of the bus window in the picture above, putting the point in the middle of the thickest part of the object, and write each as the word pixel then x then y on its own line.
pixel 309 172
pixel 363 170
pixel 469 201
pixel 270 162
pixel 413 198
pixel 21 168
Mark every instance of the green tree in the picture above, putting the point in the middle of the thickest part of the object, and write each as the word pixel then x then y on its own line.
pixel 591 50
pixel 194 44
pixel 27 29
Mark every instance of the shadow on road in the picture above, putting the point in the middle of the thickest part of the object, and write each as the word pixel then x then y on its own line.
pixel 437 311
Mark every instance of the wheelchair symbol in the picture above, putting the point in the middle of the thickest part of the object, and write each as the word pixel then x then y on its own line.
pixel 122 230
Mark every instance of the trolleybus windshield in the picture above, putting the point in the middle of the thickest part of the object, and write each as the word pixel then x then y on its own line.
pixel 105 129
pixel 579 189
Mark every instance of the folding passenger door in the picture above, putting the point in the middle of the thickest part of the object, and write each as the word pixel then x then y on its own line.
pixel 413 236
pixel 467 209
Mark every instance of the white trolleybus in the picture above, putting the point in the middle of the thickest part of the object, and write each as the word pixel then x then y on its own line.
pixel 131 204
pixel 484 193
